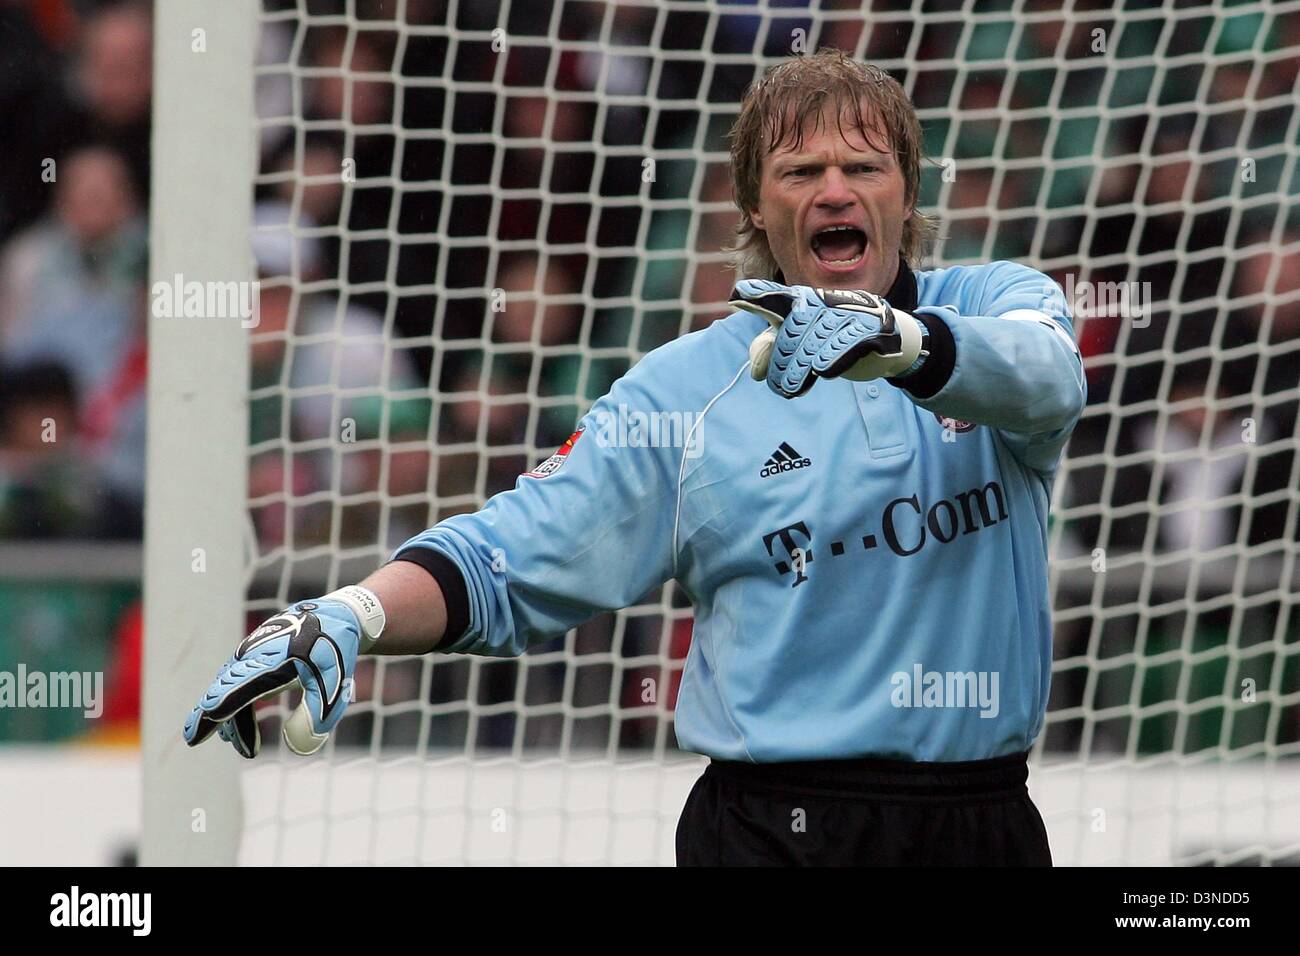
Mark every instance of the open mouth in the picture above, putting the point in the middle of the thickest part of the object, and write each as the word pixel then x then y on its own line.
pixel 840 245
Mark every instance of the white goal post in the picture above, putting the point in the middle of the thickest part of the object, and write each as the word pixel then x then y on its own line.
pixel 203 155
pixel 469 218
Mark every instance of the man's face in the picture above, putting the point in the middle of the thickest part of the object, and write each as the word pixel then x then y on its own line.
pixel 809 196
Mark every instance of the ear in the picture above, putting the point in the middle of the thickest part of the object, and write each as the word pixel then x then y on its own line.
pixel 756 217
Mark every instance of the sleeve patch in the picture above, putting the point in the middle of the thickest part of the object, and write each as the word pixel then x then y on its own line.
pixel 553 464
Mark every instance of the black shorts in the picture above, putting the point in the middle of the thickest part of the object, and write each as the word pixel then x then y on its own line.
pixel 863 813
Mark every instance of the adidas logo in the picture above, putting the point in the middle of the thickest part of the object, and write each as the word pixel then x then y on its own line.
pixel 784 458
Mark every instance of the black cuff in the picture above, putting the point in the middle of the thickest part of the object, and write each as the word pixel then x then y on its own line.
pixel 454 593
pixel 933 375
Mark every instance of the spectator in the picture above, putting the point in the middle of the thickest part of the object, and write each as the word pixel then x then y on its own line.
pixel 113 73
pixel 72 292
pixel 35 118
pixel 48 487
pixel 1202 460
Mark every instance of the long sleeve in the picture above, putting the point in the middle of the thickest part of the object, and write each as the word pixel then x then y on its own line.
pixel 587 531
pixel 1002 354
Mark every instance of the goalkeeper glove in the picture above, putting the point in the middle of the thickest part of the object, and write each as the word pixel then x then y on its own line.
pixel 312 643
pixel 825 333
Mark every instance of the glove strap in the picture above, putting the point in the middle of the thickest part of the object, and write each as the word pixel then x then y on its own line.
pixel 366 607
pixel 924 353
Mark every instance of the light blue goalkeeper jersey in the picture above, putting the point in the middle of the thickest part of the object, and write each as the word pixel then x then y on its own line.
pixel 868 566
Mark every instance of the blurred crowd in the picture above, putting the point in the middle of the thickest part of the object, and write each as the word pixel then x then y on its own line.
pixel 459 247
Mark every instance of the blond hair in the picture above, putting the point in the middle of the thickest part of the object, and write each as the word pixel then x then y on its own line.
pixel 779 106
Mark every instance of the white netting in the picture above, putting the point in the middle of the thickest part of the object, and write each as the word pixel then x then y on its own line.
pixel 475 216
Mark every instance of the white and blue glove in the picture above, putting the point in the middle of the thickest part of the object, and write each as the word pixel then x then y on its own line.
pixel 825 333
pixel 311 643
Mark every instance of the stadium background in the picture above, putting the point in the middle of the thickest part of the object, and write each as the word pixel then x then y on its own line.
pixel 1121 164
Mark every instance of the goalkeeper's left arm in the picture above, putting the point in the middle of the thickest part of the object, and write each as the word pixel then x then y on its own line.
pixel 992 346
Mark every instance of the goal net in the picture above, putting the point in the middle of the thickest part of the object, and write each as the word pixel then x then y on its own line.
pixel 471 218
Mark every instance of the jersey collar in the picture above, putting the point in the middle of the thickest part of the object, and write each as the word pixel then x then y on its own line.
pixel 901 295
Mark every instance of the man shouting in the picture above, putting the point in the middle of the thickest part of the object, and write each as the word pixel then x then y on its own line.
pixel 856 506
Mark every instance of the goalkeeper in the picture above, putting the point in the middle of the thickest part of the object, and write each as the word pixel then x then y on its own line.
pixel 859 516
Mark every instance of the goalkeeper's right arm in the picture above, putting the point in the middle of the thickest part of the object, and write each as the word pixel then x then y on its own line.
pixel 414 606
pixel 588 531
